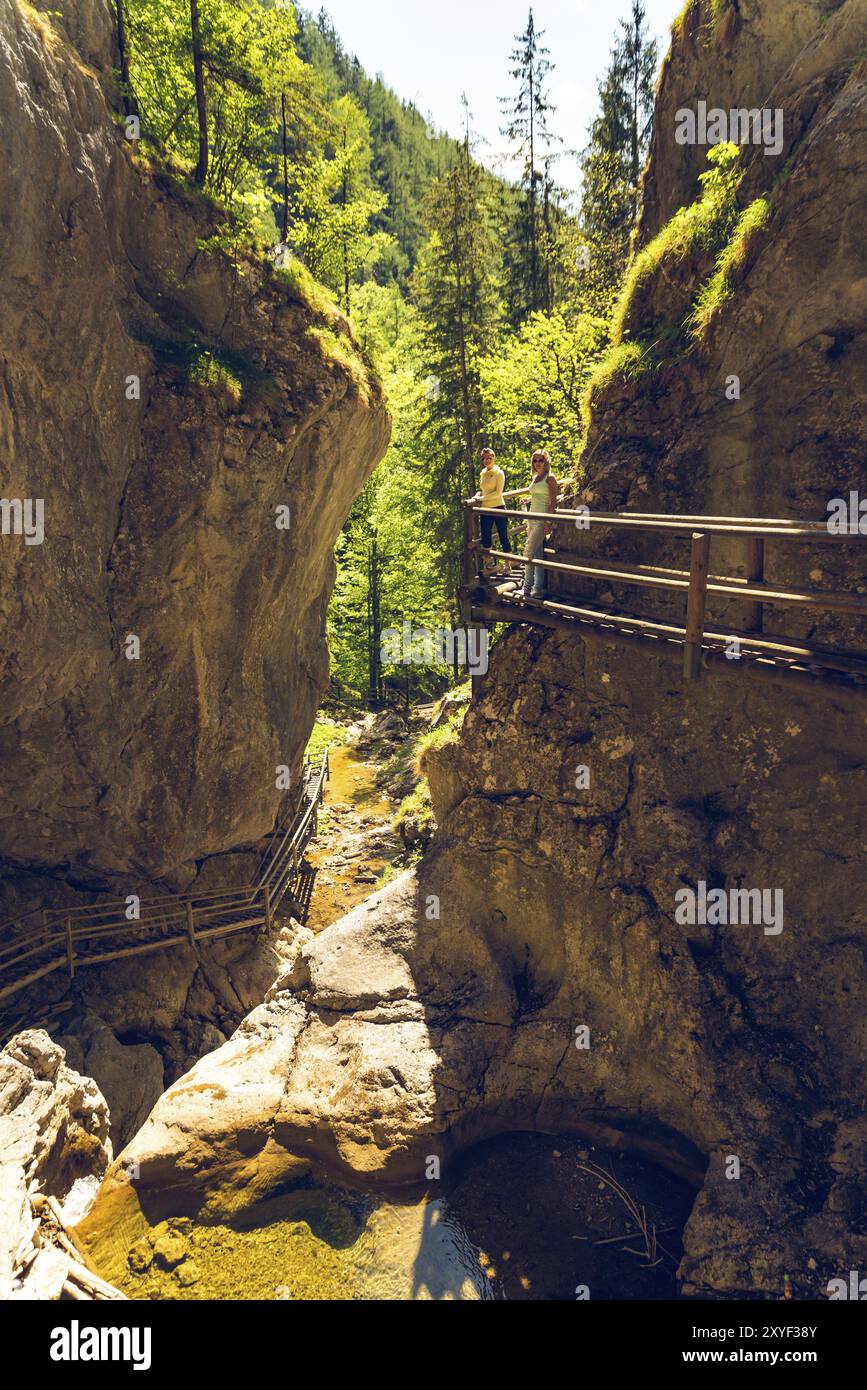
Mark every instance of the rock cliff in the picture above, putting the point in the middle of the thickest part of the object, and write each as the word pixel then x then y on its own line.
pixel 164 400
pixel 53 1135
pixel 454 1004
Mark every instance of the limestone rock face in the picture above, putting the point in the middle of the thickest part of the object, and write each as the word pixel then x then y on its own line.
pixel 765 414
pixel 53 1131
pixel 446 1008
pixel 160 494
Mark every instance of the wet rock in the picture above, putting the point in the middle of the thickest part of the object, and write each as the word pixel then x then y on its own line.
pixel 170 1249
pixel 531 974
pixel 140 1257
pixel 188 1274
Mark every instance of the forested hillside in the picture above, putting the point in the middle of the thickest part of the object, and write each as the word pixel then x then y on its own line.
pixel 484 304
pixel 488 314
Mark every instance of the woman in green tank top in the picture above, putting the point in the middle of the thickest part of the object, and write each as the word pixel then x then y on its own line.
pixel 543 498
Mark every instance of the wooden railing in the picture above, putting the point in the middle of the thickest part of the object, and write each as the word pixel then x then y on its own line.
pixel 480 598
pixel 41 941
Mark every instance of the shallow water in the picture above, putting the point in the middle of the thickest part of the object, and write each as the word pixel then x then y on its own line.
pixel 355 841
pixel 322 1243
pixel 517 1218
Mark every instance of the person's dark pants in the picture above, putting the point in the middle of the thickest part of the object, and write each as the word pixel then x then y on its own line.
pixel 488 520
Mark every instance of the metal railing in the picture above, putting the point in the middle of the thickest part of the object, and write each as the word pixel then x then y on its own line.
pixel 42 941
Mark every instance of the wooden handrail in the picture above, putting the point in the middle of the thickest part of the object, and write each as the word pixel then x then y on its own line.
pixel 752 591
pixel 803 530
pixel 189 918
pixel 678 580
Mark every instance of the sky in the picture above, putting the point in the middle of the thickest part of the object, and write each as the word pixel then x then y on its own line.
pixel 430 51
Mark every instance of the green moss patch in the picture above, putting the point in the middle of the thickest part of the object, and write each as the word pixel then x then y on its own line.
pixel 731 266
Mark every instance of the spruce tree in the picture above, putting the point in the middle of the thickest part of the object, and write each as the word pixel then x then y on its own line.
pixel 619 139
pixel 527 128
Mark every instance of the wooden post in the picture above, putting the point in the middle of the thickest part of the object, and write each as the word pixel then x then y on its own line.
pixel 755 571
pixel 468 575
pixel 698 572
pixel 477 683
pixel 70 950
pixel 191 924
pixel 267 907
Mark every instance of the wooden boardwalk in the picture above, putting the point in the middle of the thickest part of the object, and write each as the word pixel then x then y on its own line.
pixel 43 941
pixel 486 599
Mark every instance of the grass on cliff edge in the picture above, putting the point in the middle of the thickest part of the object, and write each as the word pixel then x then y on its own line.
pixel 711 224
pixel 324 733
pixel 730 266
pixel 715 10
pixel 330 330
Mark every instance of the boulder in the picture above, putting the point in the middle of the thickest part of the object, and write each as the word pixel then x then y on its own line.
pixel 53 1132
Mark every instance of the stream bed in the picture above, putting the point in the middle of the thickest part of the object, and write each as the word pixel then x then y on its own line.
pixel 517 1218
pixel 522 1216
pixel 355 842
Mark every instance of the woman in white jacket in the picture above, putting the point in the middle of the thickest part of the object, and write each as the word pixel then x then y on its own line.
pixel 543 498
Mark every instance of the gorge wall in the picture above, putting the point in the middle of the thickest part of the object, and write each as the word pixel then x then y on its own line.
pixel 163 399
pixel 445 1008
pixel 160 510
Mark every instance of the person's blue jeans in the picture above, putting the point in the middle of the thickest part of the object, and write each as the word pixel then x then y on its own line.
pixel 488 520
pixel 535 577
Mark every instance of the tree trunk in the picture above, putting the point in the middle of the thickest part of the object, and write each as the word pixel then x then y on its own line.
pixel 374 629
pixel 283 133
pixel 533 252
pixel 201 106
pixel 462 341
pixel 636 63
pixel 346 300
pixel 130 105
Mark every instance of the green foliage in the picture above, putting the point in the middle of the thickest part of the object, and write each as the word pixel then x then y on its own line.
pixel 703 227
pixel 530 234
pixel 239 40
pixel 713 9
pixel 306 289
pixel 208 368
pixel 334 204
pixel 456 286
pixel 619 140
pixel 337 348
pixel 449 732
pixel 407 155
pixel 533 386
pixel 730 266
pixel 709 227
pixel 623 362
pixel 415 807
pixel 325 734
pixel 469 298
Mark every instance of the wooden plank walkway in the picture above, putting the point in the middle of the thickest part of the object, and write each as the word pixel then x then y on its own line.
pixel 41 942
pixel 485 599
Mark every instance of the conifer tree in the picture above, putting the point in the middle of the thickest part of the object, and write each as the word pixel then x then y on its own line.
pixel 619 138
pixel 527 128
